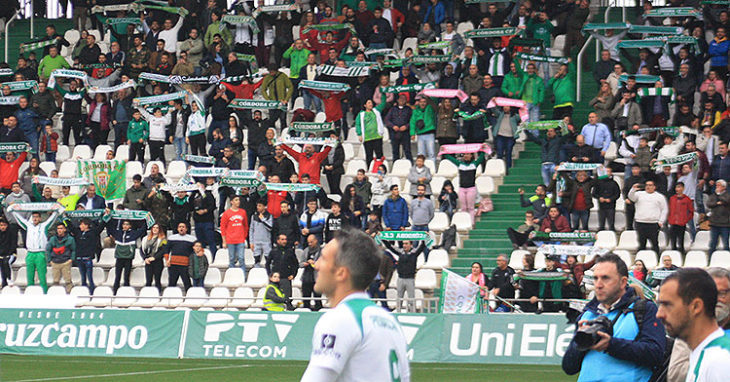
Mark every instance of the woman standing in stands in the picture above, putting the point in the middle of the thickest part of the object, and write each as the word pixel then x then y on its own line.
pixel 370 128
pixel 528 288
pixel 353 206
pixel 153 248
pixel 158 131
pixel 477 276
pixel 467 179
pixel 196 130
pixel 26 179
pixel 99 119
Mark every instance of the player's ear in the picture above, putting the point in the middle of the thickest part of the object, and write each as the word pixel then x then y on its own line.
pixel 342 274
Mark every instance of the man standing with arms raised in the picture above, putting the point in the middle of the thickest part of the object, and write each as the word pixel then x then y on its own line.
pixel 355 340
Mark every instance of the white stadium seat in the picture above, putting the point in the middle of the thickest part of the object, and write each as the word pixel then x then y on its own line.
pixel 195 298
pixel 148 297
pixel 126 296
pixel 648 257
pixel 702 241
pixel 720 259
pixel 439 223
pixel 695 259
pixel 426 279
pixel 81 152
pixel 218 298
pixel 242 298
pixel 629 241
pixel 234 278
pixel 257 278
pixel 462 220
pixel 171 297
pixel 606 239
pixel 100 152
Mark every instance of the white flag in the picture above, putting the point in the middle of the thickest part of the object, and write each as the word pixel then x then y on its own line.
pixel 458 295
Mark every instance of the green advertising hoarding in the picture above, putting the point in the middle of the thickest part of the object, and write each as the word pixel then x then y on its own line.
pixel 478 338
pixel 80 332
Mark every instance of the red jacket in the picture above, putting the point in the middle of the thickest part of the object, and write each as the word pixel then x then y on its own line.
pixel 9 170
pixel 105 114
pixel 324 47
pixel 561 223
pixel 244 91
pixel 44 144
pixel 273 201
pixel 308 165
pixel 332 105
pixel 234 226
pixel 681 210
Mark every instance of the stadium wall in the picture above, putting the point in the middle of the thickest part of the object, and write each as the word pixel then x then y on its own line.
pixel 486 338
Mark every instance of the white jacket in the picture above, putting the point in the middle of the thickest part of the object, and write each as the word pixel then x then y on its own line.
pixel 650 208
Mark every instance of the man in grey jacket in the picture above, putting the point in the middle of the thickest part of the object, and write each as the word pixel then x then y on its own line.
pixel 194 47
pixel 421 213
pixel 259 232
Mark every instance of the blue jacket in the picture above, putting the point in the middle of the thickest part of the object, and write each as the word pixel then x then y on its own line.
pixel 98 203
pixel 632 352
pixel 395 213
pixel 720 168
pixel 718 52
pixel 439 14
pixel 27 120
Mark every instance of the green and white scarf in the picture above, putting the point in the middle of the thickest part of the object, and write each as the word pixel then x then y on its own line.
pixel 380 52
pixel 178 80
pixel 324 85
pixel 403 236
pixel 241 103
pixel 6 72
pixel 571 250
pixel 650 29
pixel 246 57
pixel 9 100
pixel 648 293
pixel 330 27
pixel 395 63
pixel 198 159
pixel 180 186
pixel 47 180
pixel 544 125
pixel 491 32
pixel 661 274
pixel 578 166
pixel 361 63
pixel 112 89
pixel 176 10
pixel 123 20
pixel 17 86
pixel 308 141
pixel 141 101
pixel 207 172
pixel 251 174
pixel 565 236
pixel 428 59
pixel 639 44
pixel 640 78
pixel 85 214
pixel 131 215
pixel 541 58
pixel 134 7
pixel 604 26
pixel 542 276
pixel 648 92
pixel 275 8
pixel 292 187
pixel 242 20
pixel 239 182
pixel 312 127
pixel 329 70
pixel 14 147
pixel 673 131
pixel 68 73
pixel 673 12
pixel 42 206
pixel 470 117
pixel 28 46
pixel 409 88
pixel 442 45
pixel 675 160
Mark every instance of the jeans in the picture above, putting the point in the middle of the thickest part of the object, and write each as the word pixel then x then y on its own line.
pixel 607 215
pixel 252 158
pixel 427 145
pixel 650 231
pixel 32 137
pixel 236 252
pixel 204 232
pixel 374 146
pixel 179 271
pixel 547 171
pixel 404 140
pixel 375 292
pixel 580 218
pixel 533 109
pixel 504 147
pixel 377 45
pixel 699 200
pixel 447 208
pixel 310 99
pixel 122 265
pixel 86 268
pixel 676 236
pixel 715 233
pixel 423 228
pixel 120 134
pixel 181 148
pixel 51 157
pixel 198 283
pixel 153 271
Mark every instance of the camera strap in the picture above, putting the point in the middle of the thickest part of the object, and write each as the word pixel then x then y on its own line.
pixel 638 308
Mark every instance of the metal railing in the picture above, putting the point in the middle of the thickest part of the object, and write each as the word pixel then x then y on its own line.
pixel 7 33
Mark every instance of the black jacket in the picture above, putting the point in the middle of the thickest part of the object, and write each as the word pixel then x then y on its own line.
pixel 606 188
pixel 282 260
pixel 173 122
pixel 406 262
pixel 88 243
pixel 286 225
pixel 256 132
pixel 203 202
pixel 503 279
pixel 8 242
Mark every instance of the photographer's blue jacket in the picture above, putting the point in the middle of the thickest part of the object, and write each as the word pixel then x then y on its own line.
pixel 632 352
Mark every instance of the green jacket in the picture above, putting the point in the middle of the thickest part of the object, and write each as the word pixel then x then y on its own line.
pixel 138 130
pixel 564 88
pixel 61 250
pixel 429 120
pixel 512 83
pixel 538 88
pixel 298 60
pixel 217 28
pixel 48 64
pixel 541 31
pixel 277 87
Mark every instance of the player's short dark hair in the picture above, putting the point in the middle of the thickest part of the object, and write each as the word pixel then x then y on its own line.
pixel 695 283
pixel 358 253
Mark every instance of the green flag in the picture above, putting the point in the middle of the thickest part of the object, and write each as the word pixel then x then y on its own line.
pixel 109 177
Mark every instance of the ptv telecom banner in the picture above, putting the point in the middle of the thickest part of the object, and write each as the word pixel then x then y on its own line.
pixel 79 332
pixel 503 338
pixel 494 338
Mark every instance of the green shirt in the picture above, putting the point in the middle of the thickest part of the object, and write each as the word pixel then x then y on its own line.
pixel 48 64
pixel 298 59
pixel 541 31
pixel 429 120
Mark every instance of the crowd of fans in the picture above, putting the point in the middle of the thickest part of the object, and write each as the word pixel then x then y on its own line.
pixel 217 54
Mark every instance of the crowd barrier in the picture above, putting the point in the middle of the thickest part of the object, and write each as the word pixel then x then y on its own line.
pixel 484 338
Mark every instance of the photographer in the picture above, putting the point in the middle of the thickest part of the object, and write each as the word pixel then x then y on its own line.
pixel 637 340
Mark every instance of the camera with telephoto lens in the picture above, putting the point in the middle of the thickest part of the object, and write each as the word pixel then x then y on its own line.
pixel 587 335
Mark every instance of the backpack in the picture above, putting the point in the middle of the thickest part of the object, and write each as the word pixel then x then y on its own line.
pixel 448 238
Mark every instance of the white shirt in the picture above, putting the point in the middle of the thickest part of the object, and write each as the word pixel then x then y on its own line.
pixel 650 207
pixel 388 15
pixel 158 125
pixel 359 341
pixel 170 36
pixel 714 361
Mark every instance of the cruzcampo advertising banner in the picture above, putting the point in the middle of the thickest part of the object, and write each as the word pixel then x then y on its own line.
pixel 87 332
pixel 479 338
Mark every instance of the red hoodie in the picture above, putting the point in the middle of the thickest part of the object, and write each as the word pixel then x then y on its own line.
pixel 308 165
pixel 681 210
pixel 9 170
pixel 273 200
pixel 234 226
pixel 244 91
pixel 332 105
